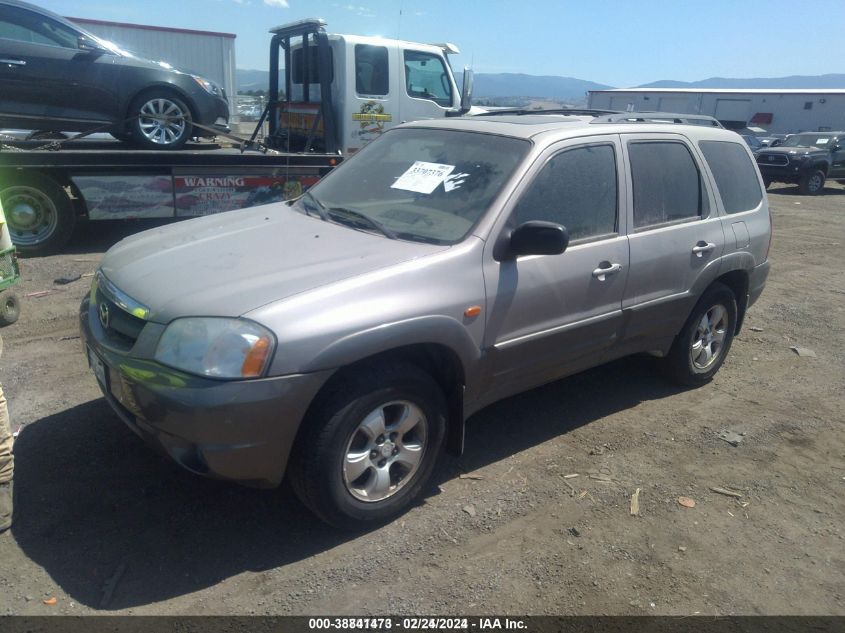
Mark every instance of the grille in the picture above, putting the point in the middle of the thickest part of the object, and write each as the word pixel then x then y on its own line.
pixel 122 328
pixel 777 160
pixel 8 265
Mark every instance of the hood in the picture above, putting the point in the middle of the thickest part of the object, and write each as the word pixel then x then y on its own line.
pixel 780 149
pixel 234 262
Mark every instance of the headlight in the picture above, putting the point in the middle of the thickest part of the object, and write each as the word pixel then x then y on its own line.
pixel 216 347
pixel 207 85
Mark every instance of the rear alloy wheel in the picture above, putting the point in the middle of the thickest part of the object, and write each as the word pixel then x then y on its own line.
pixel 812 183
pixel 162 122
pixel 39 214
pixel 367 450
pixel 703 343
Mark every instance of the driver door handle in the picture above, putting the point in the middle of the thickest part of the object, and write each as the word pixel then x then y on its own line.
pixel 703 247
pixel 13 62
pixel 605 269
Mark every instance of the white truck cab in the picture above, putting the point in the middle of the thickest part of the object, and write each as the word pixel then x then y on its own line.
pixel 342 91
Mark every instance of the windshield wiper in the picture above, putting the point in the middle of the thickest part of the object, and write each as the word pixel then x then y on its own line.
pixel 352 214
pixel 317 206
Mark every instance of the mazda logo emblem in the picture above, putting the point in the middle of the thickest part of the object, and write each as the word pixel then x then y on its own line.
pixel 103 311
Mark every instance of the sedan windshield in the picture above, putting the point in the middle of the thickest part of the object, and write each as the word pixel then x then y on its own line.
pixel 808 140
pixel 425 185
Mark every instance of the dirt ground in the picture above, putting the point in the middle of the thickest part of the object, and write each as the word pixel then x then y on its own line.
pixel 104 524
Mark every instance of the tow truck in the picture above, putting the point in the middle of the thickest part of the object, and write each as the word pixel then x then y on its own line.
pixel 330 95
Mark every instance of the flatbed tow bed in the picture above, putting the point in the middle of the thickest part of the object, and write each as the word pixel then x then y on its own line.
pixel 45 191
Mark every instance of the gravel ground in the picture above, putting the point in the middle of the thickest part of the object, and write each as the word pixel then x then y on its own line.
pixel 105 525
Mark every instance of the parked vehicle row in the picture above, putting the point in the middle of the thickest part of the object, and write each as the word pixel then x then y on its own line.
pixel 342 339
pixel 806 159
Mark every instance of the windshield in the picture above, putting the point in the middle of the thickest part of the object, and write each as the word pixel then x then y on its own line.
pixel 420 184
pixel 808 140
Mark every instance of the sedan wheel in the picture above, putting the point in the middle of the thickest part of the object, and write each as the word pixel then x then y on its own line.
pixel 161 122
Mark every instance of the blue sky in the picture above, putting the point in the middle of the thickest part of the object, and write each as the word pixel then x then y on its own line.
pixel 621 43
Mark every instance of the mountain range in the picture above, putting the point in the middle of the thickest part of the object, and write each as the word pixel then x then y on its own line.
pixel 570 88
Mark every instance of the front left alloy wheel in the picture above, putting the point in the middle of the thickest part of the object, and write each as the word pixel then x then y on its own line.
pixel 368 448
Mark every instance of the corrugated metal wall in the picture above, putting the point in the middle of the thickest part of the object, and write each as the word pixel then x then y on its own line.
pixel 209 55
pixel 791 112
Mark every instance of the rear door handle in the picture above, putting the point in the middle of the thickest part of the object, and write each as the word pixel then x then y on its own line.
pixel 605 269
pixel 703 247
pixel 13 62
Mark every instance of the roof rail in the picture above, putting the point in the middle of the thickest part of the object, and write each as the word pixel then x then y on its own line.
pixel 658 117
pixel 528 111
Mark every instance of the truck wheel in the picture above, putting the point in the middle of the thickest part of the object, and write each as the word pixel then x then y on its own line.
pixel 812 183
pixel 767 183
pixel 161 121
pixel 705 340
pixel 10 308
pixel 369 446
pixel 38 212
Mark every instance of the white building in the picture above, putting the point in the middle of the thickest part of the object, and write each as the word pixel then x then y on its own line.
pixel 778 111
pixel 205 53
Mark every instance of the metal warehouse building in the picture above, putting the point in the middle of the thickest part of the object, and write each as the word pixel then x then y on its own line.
pixel 778 111
pixel 205 53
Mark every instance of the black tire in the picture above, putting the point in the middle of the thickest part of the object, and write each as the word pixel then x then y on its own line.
pixel 316 467
pixel 141 128
pixel 767 183
pixel 10 308
pixel 679 365
pixel 812 183
pixel 46 218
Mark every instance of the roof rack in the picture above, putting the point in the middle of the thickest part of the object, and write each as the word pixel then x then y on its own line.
pixel 566 111
pixel 658 117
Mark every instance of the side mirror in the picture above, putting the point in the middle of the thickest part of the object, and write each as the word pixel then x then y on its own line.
pixel 88 45
pixel 775 142
pixel 466 91
pixel 534 238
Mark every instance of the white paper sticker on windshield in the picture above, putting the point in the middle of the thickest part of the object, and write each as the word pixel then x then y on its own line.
pixel 821 141
pixel 422 177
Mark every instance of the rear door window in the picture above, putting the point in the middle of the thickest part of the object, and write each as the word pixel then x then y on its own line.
pixel 372 76
pixel 666 181
pixel 735 175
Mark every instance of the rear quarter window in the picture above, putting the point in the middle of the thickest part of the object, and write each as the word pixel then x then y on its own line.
pixel 735 174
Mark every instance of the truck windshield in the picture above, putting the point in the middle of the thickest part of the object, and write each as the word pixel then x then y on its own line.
pixel 808 140
pixel 420 184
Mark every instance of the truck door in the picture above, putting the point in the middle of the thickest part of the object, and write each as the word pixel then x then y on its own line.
pixel 371 92
pixel 428 90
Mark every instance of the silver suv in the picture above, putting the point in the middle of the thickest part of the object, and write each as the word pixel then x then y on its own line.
pixel 344 338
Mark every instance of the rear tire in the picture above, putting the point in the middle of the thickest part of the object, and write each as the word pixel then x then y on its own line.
pixel 38 212
pixel 705 340
pixel 812 183
pixel 369 446
pixel 10 308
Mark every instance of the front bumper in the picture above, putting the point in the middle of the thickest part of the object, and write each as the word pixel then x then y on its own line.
pixel 212 112
pixel 236 430
pixel 781 173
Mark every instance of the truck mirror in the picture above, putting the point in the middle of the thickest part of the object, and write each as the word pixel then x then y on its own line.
pixel 466 91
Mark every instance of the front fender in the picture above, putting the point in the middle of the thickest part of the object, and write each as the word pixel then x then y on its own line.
pixel 434 329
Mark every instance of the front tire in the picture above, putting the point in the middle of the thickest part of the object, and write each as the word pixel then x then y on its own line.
pixel 812 183
pixel 705 340
pixel 161 121
pixel 38 212
pixel 369 446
